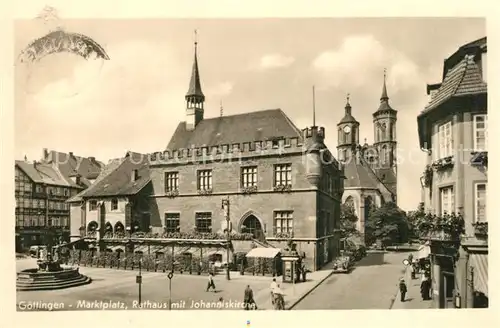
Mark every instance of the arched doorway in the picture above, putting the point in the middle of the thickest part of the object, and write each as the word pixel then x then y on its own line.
pixel 251 225
pixel 92 226
pixel 119 229
pixel 108 227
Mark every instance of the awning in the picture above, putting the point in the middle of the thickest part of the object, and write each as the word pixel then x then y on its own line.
pixel 215 252
pixel 423 252
pixel 480 264
pixel 263 252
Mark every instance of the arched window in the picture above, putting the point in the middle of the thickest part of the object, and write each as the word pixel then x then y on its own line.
pixel 349 201
pixel 368 206
pixel 383 131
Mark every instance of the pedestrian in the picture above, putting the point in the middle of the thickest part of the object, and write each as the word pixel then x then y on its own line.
pixel 248 300
pixel 279 303
pixel 402 289
pixel 272 288
pixel 425 286
pixel 410 258
pixel 210 282
pixel 412 270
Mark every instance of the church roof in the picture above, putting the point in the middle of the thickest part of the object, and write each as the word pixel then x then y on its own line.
pixel 348 118
pixel 240 128
pixel 384 101
pixel 359 174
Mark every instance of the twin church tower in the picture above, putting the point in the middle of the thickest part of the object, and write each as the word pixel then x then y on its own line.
pixel 381 156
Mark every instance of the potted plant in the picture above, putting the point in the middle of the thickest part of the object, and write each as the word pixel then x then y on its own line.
pixel 481 229
pixel 428 173
pixel 443 164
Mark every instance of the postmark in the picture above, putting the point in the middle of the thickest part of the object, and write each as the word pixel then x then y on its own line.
pixel 59 41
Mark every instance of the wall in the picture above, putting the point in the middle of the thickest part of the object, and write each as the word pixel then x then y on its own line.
pixel 463 175
pixel 76 217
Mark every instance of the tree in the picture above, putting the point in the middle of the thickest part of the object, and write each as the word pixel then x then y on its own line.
pixel 348 219
pixel 388 224
pixel 414 219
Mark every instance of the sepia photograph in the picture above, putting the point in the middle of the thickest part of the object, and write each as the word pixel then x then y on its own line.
pixel 250 163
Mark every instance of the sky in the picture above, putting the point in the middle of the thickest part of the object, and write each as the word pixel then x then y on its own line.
pixel 135 100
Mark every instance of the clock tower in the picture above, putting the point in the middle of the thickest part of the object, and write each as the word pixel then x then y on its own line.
pixel 348 134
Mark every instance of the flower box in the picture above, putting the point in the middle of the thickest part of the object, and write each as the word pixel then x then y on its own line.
pixel 205 192
pixel 443 164
pixel 428 174
pixel 481 229
pixel 249 190
pixel 172 193
pixel 283 188
pixel 446 227
pixel 284 235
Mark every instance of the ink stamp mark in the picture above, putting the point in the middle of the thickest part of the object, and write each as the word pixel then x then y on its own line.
pixel 59 41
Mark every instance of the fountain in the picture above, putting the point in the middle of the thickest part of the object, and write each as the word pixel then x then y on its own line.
pixel 50 275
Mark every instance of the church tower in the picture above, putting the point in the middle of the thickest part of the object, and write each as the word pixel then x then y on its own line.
pixel 194 97
pixel 348 134
pixel 384 121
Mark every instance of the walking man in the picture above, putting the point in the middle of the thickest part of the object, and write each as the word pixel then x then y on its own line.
pixel 402 289
pixel 210 282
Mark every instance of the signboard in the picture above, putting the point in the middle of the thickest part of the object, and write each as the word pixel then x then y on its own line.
pixel 138 279
pixel 170 275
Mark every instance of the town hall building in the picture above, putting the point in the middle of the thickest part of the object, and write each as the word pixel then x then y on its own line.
pixel 282 183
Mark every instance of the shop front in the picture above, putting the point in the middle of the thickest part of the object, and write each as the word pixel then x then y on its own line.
pixel 443 259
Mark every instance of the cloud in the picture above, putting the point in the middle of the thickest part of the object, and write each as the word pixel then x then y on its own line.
pixel 275 61
pixel 360 60
pixel 221 89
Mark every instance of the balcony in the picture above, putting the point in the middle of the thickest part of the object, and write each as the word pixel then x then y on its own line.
pixel 481 230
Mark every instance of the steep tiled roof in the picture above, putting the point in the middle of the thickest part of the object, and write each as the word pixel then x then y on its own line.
pixel 45 173
pixel 194 83
pixel 461 80
pixel 359 175
pixel 109 168
pixel 248 127
pixel 69 164
pixel 118 182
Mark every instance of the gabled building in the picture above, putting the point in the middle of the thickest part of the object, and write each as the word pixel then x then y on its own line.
pixel 453 130
pixel 42 216
pixel 370 170
pixel 116 203
pixel 282 183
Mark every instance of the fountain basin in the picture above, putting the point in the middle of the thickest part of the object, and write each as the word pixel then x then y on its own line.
pixel 36 279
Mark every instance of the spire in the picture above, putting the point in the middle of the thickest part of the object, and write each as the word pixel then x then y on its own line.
pixel 194 91
pixel 384 96
pixel 221 109
pixel 348 106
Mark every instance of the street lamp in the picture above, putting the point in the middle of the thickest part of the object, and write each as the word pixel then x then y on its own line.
pixel 128 231
pixel 225 207
pixel 138 280
pixel 170 276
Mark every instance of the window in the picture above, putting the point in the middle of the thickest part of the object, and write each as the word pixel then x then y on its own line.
pixel 205 180
pixel 283 174
pixel 64 222
pixel 249 176
pixel 172 222
pixel 203 222
pixel 66 192
pixel 39 189
pixel 480 202
pixel 93 205
pixel 445 140
pixel 283 221
pixel 114 204
pixel 481 132
pixel 447 200
pixel 171 181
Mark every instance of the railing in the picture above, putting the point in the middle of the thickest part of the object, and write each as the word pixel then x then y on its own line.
pixel 183 235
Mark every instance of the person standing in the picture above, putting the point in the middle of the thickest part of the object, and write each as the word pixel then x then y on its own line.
pixel 273 287
pixel 279 303
pixel 425 287
pixel 402 289
pixel 248 300
pixel 210 282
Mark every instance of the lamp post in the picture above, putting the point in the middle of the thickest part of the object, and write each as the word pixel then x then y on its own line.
pixel 225 207
pixel 170 276
pixel 128 232
pixel 138 279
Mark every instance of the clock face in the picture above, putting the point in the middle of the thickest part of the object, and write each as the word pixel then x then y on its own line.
pixel 347 129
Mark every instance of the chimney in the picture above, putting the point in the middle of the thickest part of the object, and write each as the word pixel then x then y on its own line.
pixel 77 179
pixel 71 154
pixel 135 175
pixel 45 153
pixel 92 159
pixel 35 163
